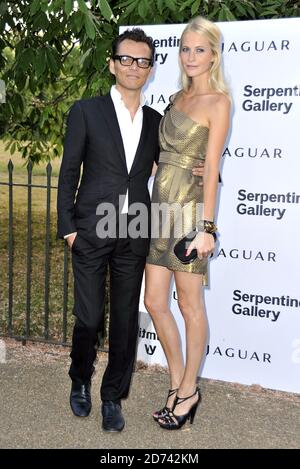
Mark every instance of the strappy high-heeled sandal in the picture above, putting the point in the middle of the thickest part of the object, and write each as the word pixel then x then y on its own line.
pixel 172 421
pixel 164 411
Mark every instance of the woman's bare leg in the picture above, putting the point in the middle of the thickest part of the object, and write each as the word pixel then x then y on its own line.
pixel 191 303
pixel 157 288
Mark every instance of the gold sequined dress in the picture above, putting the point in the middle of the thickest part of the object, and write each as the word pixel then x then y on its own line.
pixel 183 143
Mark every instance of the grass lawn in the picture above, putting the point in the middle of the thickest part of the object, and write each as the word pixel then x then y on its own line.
pixel 19 164
pixel 38 252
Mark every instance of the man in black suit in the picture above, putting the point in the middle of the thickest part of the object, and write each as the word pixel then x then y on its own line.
pixel 115 140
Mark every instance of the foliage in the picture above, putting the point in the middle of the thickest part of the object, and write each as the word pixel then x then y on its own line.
pixel 55 51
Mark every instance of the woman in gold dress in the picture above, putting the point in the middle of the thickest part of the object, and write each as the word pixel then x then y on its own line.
pixel 193 129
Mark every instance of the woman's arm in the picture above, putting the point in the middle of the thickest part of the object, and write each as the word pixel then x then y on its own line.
pixel 154 169
pixel 219 119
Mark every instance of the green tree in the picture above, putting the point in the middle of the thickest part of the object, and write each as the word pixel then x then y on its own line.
pixel 52 52
pixel 55 51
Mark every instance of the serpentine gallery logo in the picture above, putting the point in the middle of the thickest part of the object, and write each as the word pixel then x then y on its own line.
pixel 270 99
pixel 149 336
pixel 258 306
pixel 262 204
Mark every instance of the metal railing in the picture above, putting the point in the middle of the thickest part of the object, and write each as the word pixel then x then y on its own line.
pixel 27 333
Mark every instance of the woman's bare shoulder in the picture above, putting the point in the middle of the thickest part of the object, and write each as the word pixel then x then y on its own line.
pixel 219 104
pixel 219 99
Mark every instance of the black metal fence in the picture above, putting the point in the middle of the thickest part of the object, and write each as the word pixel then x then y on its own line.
pixel 27 332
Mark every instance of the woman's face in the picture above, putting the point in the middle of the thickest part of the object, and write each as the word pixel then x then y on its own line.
pixel 195 54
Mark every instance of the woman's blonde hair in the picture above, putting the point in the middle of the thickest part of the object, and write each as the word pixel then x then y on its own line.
pixel 203 26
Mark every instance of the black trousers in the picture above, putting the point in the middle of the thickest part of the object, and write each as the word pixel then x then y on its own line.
pixel 126 272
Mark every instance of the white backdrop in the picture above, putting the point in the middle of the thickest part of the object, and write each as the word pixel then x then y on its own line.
pixel 253 302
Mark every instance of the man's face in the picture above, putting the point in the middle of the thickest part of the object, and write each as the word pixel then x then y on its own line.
pixel 131 77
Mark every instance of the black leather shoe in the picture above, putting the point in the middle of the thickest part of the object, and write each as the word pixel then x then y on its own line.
pixel 80 399
pixel 113 420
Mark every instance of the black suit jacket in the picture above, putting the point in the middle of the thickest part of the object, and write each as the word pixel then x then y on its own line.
pixel 93 140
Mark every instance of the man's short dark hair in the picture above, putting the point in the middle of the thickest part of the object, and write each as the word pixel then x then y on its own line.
pixel 137 35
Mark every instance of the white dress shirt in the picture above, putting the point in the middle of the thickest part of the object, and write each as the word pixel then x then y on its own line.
pixel 130 132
